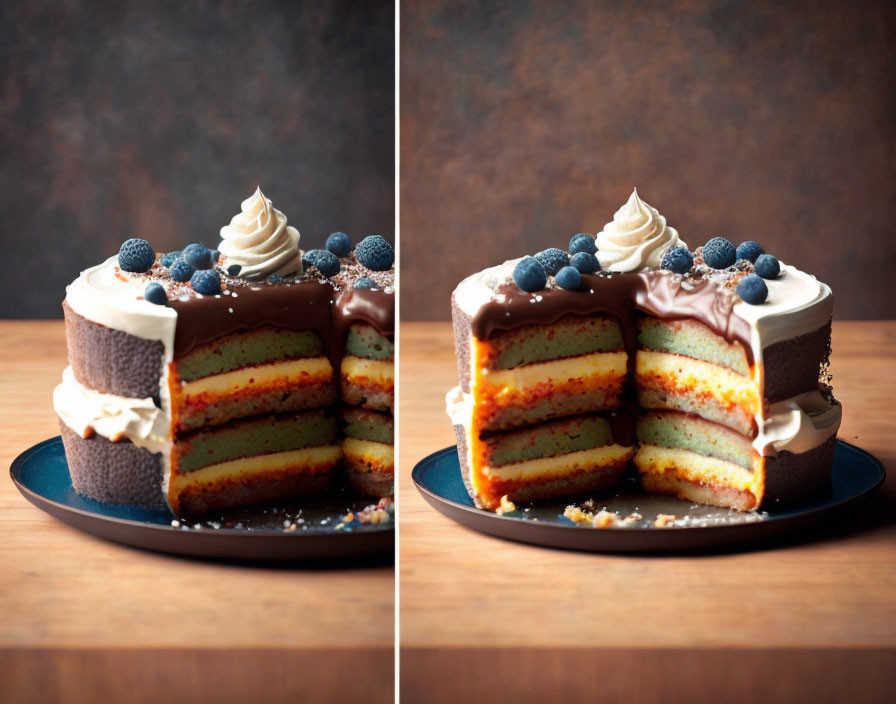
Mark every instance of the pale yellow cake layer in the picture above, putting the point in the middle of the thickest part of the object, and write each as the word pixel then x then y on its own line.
pixel 310 459
pixel 610 364
pixel 291 372
pixel 560 465
pixel 651 459
pixel 381 371
pixel 378 454
pixel 684 375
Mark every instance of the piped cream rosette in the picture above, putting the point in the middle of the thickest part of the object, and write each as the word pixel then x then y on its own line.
pixel 260 241
pixel 636 239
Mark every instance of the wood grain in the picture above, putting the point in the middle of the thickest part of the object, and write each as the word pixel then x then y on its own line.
pixel 463 592
pixel 73 599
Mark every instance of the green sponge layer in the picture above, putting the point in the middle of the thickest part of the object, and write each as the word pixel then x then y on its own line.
pixel 361 424
pixel 548 439
pixel 691 433
pixel 363 341
pixel 692 339
pixel 246 348
pixel 258 436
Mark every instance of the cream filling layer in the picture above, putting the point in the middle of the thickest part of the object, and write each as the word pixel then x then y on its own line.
pixel 798 424
pixel 381 455
pixel 561 465
pixel 382 371
pixel 113 417
pixel 295 371
pixel 691 466
pixel 308 460
pixel 688 375
pixel 558 371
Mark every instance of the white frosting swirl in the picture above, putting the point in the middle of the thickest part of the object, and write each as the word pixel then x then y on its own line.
pixel 636 239
pixel 260 241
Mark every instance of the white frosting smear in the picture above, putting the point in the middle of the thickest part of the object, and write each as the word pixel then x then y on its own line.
pixel 798 424
pixel 86 411
pixel 260 241
pixel 636 238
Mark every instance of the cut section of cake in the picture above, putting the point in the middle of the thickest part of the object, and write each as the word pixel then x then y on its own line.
pixel 707 378
pixel 206 381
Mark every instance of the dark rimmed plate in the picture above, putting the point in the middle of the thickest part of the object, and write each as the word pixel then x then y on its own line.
pixel 856 475
pixel 41 474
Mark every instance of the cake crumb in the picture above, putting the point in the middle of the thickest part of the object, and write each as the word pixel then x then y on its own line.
pixel 507 506
pixel 664 519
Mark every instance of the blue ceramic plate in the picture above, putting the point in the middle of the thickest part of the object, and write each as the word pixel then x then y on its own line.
pixel 306 530
pixel 856 475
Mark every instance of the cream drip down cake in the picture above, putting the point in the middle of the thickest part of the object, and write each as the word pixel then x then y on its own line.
pixel 704 372
pixel 205 380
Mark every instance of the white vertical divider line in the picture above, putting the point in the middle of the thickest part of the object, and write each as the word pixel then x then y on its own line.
pixel 397 336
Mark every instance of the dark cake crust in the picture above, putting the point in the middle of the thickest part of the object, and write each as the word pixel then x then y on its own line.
pixel 113 472
pixel 789 476
pixel 792 366
pixel 112 361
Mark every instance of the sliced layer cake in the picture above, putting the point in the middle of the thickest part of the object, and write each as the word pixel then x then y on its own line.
pixel 706 375
pixel 207 381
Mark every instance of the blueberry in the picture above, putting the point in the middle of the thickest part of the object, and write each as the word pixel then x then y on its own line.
pixel 175 255
pixel 553 260
pixel 375 253
pixel 206 281
pixel 677 259
pixel 310 257
pixel 328 264
pixel 582 243
pixel 198 256
pixel 529 275
pixel 749 250
pixel 569 278
pixel 364 282
pixel 181 270
pixel 234 270
pixel 274 279
pixel 585 262
pixel 136 256
pixel 339 244
pixel 752 289
pixel 719 253
pixel 216 255
pixel 166 260
pixel 155 293
pixel 767 266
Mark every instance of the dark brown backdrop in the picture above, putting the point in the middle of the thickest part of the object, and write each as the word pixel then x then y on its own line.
pixel 157 119
pixel 523 123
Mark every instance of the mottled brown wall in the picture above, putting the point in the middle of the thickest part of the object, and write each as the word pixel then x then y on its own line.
pixel 525 122
pixel 157 119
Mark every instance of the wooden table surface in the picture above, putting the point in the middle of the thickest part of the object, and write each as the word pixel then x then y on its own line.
pixel 97 621
pixel 810 621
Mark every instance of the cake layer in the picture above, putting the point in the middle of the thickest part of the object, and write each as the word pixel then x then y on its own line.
pixel 691 338
pixel 368 382
pixel 546 439
pixel 270 388
pixel 570 337
pixel 364 424
pixel 689 432
pixel 691 468
pixel 247 348
pixel 112 361
pixel 509 398
pixel 672 381
pixel 252 480
pixel 365 341
pixel 698 492
pixel 255 436
pixel 114 472
pixel 371 482
pixel 361 454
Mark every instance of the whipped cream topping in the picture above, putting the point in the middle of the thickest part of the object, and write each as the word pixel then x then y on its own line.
pixel 636 238
pixel 86 411
pixel 260 241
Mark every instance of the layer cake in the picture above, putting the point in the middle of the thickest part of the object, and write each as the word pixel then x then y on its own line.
pixel 634 354
pixel 205 380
